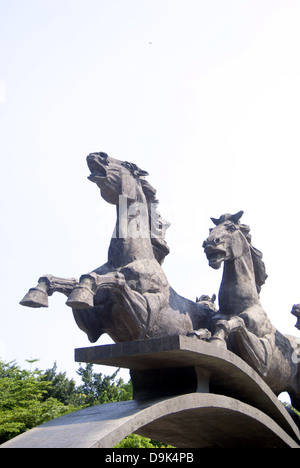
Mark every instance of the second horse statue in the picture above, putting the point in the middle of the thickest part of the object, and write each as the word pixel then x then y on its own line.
pixel 241 324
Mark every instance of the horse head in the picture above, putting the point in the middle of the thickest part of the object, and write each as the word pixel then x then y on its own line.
pixel 225 240
pixel 115 178
pixel 229 240
pixel 124 179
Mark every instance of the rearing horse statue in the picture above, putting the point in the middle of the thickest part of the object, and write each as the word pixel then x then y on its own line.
pixel 241 324
pixel 128 297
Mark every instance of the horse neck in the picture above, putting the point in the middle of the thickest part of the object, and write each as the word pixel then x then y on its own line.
pixel 131 240
pixel 238 288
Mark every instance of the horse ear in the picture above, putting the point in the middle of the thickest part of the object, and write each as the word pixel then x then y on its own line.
pixel 142 173
pixel 215 221
pixel 236 216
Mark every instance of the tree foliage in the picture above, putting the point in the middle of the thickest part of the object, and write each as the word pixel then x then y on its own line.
pixel 98 389
pixel 136 441
pixel 22 401
pixel 30 398
pixel 59 386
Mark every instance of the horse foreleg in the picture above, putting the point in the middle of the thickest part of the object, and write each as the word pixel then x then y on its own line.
pixel 47 285
pixel 257 352
pixel 82 296
pixel 134 306
pixel 221 332
pixel 134 311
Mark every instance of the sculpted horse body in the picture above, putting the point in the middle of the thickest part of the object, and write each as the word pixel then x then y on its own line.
pixel 128 297
pixel 241 323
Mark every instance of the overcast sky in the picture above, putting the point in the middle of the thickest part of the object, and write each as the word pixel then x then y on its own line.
pixel 202 94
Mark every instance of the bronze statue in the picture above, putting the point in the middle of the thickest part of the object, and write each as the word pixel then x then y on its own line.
pixel 241 323
pixel 129 297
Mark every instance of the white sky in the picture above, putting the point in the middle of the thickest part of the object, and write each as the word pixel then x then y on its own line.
pixel 203 94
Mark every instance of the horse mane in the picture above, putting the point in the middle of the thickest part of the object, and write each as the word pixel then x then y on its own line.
pixel 158 225
pixel 258 264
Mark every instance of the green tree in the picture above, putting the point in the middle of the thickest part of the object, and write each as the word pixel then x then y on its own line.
pixel 98 389
pixel 60 387
pixel 30 398
pixel 137 441
pixel 22 404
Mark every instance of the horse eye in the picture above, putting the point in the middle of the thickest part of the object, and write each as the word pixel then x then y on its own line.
pixel 232 228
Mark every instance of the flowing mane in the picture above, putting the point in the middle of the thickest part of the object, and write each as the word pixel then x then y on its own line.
pixel 258 264
pixel 158 225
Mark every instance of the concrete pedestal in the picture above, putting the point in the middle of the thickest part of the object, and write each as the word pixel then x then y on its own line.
pixel 187 393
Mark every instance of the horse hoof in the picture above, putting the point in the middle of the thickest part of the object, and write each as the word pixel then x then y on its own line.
pixel 81 298
pixel 36 297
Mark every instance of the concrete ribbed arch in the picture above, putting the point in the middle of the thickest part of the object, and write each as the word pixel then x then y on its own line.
pixel 192 420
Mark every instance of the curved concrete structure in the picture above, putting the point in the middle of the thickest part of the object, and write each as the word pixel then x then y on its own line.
pixel 188 393
pixel 179 364
pixel 193 420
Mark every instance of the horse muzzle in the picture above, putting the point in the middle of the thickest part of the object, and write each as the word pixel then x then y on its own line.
pixel 214 255
pixel 96 163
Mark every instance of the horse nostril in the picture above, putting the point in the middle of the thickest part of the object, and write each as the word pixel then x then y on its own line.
pixel 217 240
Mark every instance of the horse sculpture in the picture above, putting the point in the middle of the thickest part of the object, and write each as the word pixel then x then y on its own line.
pixel 241 324
pixel 129 297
